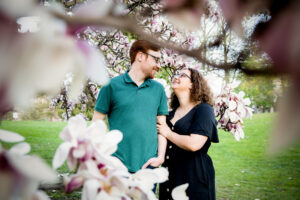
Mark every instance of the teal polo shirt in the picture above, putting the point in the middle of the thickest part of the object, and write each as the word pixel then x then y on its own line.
pixel 133 110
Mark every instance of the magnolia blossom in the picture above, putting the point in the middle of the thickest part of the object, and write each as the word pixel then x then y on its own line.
pixel 101 175
pixel 82 143
pixel 178 192
pixel 20 174
pixel 232 108
pixel 106 182
pixel 28 24
pixel 145 179
pixel 38 61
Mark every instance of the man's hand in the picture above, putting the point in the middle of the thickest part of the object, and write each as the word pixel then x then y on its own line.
pixel 154 162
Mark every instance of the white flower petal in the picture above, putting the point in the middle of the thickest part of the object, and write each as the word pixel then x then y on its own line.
pixel 33 167
pixel 111 162
pixel 236 136
pixel 241 110
pixel 21 148
pixel 76 86
pixel 119 186
pixel 178 193
pixel 148 177
pixel 151 195
pixel 75 182
pixel 77 126
pixel 92 168
pixel 111 142
pixel 95 67
pixel 232 105
pixel 242 135
pixel 249 112
pixel 162 174
pixel 114 137
pixel 8 136
pixel 72 162
pixel 90 189
pixel 61 154
pixel 10 8
pixel 241 94
pixel 66 135
pixel 97 131
pixel 28 24
pixel 103 195
pixel 80 152
pixel 247 101
pixel 233 117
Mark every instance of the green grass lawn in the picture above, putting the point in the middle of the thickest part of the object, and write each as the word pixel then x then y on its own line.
pixel 243 170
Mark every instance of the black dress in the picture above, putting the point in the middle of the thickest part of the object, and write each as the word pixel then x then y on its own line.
pixel 194 168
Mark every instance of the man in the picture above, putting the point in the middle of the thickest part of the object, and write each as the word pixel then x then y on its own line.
pixel 134 103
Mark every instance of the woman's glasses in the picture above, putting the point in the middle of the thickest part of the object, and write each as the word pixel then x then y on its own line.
pixel 180 75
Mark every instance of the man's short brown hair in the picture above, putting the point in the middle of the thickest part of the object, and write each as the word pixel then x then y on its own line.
pixel 143 46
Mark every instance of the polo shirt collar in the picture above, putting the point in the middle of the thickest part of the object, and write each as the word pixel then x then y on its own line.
pixel 128 79
pixel 147 82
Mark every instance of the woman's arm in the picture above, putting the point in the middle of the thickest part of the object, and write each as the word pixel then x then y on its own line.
pixel 192 142
pixel 162 141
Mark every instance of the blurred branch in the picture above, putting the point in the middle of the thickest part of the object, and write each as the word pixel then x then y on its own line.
pixel 127 23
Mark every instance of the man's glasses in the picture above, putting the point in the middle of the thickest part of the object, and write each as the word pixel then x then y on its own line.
pixel 157 59
pixel 180 75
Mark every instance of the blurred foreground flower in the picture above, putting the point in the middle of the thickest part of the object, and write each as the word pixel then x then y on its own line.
pixel 185 13
pixel 38 61
pixel 179 193
pixel 88 150
pixel 20 174
pixel 232 108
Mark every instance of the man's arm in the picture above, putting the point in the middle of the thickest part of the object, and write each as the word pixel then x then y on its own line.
pixel 98 115
pixel 161 148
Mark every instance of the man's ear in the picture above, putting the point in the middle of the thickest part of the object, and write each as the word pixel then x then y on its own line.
pixel 139 56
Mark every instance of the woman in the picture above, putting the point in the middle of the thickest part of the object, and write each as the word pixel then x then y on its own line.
pixel 190 129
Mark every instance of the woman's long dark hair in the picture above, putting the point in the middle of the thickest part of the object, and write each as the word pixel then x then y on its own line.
pixel 200 91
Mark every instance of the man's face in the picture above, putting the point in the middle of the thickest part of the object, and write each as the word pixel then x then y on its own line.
pixel 151 63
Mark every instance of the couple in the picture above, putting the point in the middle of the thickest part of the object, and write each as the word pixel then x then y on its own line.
pixel 137 105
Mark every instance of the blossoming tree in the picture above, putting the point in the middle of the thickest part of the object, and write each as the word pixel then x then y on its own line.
pixel 37 59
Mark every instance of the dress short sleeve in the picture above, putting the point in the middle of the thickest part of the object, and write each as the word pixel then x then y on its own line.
pixel 103 100
pixel 204 122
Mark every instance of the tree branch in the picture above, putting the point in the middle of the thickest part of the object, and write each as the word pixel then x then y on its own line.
pixel 127 23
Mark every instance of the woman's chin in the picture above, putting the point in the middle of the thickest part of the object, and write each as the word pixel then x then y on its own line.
pixel 174 85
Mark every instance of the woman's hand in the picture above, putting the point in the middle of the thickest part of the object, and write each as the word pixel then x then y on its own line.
pixel 164 130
